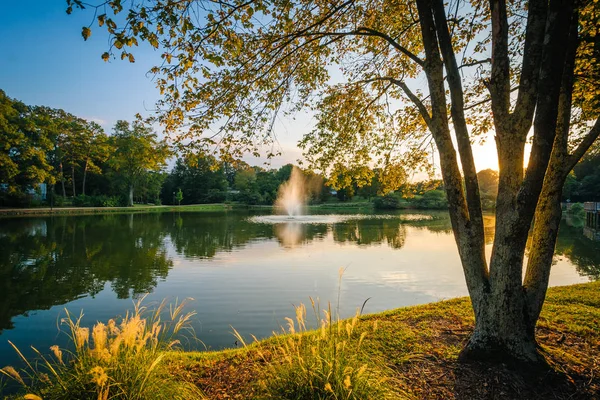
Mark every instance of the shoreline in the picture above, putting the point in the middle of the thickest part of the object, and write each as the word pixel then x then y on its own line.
pixel 413 351
pixel 46 211
pixel 417 348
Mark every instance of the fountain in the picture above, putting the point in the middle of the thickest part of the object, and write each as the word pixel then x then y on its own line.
pixel 291 201
pixel 292 194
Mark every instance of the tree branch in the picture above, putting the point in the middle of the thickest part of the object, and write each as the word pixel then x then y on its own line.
pixel 390 40
pixel 532 56
pixel 500 76
pixel 584 145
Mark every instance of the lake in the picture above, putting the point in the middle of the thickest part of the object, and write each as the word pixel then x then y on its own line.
pixel 243 270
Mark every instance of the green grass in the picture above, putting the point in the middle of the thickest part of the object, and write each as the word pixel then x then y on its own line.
pixel 138 208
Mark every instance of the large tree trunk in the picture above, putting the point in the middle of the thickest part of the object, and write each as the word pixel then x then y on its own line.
pixel 130 202
pixel 73 179
pixel 85 168
pixel 62 180
pixel 505 309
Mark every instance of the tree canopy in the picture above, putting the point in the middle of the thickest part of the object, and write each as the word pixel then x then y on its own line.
pixel 386 79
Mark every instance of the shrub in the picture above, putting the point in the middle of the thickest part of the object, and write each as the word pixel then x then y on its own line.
pixel 387 202
pixel 58 201
pixel 119 360
pixel 577 209
pixel 95 201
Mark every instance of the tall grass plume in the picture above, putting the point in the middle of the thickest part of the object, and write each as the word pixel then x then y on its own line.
pixel 326 363
pixel 117 360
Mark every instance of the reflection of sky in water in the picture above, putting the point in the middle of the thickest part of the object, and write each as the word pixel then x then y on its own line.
pixel 252 282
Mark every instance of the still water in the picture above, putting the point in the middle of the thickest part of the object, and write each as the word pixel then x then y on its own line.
pixel 242 270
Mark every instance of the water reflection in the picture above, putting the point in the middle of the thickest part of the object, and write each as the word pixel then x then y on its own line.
pixel 52 261
pixel 290 234
pixel 579 249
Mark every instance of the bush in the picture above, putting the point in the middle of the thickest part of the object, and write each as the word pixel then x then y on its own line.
pixel 435 199
pixel 216 196
pixel 95 201
pixel 577 209
pixel 119 360
pixel 59 201
pixel 387 202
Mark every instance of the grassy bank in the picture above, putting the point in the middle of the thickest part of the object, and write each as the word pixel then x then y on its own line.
pixel 416 348
pixel 97 210
pixel 407 353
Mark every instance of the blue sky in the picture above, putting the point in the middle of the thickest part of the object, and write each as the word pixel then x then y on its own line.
pixel 45 61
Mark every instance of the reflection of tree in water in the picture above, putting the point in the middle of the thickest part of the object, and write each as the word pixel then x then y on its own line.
pixel 204 234
pixel 366 232
pixel 51 261
pixel 581 251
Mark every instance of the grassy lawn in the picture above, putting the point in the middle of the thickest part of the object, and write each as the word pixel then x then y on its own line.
pixel 94 210
pixel 415 349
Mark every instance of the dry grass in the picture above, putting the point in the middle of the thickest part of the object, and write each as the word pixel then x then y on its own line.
pixel 118 360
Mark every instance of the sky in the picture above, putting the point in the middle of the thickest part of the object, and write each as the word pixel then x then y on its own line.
pixel 45 61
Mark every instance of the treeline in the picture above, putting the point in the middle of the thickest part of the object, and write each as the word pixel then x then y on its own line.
pixel 431 195
pixel 50 156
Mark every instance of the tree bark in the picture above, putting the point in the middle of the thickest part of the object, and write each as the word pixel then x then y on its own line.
pixel 130 202
pixel 85 168
pixel 73 179
pixel 62 180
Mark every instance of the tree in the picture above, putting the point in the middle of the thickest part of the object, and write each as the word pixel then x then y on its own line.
pixel 199 176
pixel 488 181
pixel 136 152
pixel 179 196
pixel 488 185
pixel 25 141
pixel 95 150
pixel 259 57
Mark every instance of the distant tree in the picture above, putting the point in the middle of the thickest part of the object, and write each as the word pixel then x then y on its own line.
pixel 179 196
pixel 137 151
pixel 488 181
pixel 267 185
pixel 488 186
pixel 284 173
pixel 25 143
pixel 95 150
pixel 199 176
pixel 571 188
